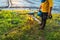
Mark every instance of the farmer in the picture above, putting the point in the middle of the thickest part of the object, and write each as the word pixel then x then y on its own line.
pixel 46 8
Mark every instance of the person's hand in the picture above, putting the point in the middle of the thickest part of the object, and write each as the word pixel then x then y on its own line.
pixel 49 15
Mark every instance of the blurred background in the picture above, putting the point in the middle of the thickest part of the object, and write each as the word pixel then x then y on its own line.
pixel 17 24
pixel 26 4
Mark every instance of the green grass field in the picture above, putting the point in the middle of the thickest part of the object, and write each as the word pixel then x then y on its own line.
pixel 14 26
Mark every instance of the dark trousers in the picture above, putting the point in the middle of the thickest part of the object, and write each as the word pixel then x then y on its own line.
pixel 44 18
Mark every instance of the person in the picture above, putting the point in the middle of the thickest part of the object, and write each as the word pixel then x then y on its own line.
pixel 45 8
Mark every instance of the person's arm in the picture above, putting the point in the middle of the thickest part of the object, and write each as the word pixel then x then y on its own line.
pixel 40 7
pixel 50 10
pixel 49 14
pixel 50 7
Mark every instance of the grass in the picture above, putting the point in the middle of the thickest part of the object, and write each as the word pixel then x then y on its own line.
pixel 14 26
